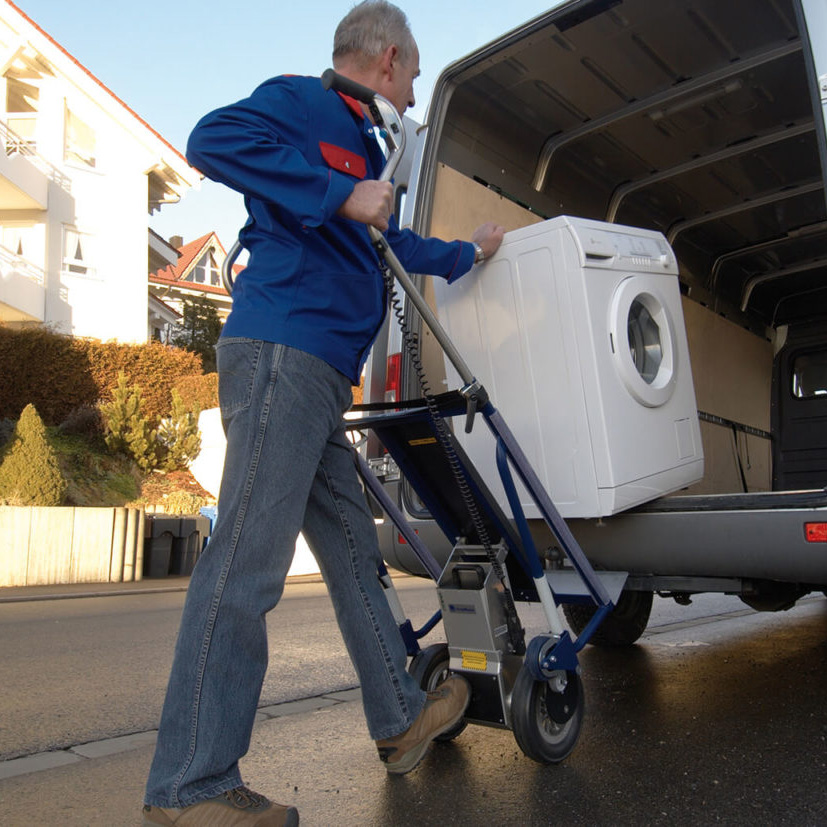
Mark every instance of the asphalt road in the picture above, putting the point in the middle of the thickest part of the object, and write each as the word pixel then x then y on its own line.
pixel 716 717
pixel 84 669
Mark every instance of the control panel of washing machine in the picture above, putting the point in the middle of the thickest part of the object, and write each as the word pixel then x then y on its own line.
pixel 624 248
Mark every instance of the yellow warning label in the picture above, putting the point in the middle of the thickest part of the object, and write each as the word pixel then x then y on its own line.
pixel 428 440
pixel 474 660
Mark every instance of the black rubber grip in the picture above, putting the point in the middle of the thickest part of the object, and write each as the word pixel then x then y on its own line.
pixel 332 80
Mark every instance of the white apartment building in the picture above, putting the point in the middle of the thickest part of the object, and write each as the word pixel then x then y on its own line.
pixel 80 174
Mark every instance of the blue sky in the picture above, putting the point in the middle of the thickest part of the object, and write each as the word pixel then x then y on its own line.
pixel 172 61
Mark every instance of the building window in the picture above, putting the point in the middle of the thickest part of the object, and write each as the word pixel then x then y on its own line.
pixel 22 102
pixel 206 271
pixel 14 240
pixel 80 141
pixel 78 253
pixel 24 241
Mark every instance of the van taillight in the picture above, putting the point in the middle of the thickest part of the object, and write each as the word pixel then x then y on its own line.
pixel 815 532
pixel 392 377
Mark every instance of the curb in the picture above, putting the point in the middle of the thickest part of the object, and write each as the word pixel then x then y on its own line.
pixel 42 761
pixel 29 594
pixel 31 598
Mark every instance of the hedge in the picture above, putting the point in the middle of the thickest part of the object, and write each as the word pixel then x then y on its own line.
pixel 58 373
pixel 198 391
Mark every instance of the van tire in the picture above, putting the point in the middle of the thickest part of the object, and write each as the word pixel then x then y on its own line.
pixel 623 626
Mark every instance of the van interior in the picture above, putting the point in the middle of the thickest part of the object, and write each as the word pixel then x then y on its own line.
pixel 700 119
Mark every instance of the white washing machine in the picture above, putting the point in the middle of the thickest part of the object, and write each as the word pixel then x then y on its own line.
pixel 576 330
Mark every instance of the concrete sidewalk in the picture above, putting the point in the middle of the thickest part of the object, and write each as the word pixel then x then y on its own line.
pixel 102 783
pixel 293 758
pixel 323 762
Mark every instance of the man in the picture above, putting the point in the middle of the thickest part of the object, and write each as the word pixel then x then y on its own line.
pixel 305 312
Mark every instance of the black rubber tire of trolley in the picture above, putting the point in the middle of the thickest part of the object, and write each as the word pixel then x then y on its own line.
pixel 546 722
pixel 621 627
pixel 429 667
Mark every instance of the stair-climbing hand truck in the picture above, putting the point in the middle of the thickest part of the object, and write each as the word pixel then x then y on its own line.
pixel 533 689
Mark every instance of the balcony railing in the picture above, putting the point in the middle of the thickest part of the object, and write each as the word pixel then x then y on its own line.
pixel 14 144
pixel 11 262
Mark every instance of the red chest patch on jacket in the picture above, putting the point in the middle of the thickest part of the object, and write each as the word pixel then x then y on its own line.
pixel 343 160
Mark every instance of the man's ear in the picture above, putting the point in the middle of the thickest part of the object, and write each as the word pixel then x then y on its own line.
pixel 388 59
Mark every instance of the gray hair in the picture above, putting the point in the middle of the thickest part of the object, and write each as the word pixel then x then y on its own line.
pixel 369 28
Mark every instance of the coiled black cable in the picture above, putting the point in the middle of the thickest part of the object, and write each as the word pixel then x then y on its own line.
pixel 516 633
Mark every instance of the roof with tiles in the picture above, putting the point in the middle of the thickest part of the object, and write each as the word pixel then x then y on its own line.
pixel 188 256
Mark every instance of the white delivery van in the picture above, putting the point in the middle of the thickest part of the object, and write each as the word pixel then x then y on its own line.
pixel 654 329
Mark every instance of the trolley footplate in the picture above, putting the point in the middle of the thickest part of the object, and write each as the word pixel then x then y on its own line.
pixel 410 437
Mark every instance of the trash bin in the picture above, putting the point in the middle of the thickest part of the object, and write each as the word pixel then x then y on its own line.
pixel 187 544
pixel 173 544
pixel 159 535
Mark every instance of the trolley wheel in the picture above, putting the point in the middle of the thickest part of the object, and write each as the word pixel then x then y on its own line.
pixel 430 667
pixel 621 627
pixel 546 722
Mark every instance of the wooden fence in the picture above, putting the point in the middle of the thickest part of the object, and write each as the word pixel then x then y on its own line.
pixel 44 546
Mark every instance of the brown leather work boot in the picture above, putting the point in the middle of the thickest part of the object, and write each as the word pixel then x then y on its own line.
pixel 444 707
pixel 235 807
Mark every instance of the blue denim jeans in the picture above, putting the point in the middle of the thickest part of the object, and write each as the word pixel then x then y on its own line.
pixel 288 467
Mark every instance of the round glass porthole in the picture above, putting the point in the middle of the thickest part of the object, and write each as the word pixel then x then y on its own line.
pixel 643 341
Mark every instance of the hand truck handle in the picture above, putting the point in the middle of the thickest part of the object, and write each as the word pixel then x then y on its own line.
pixel 385 117
pixel 227 266
pixel 332 80
pixel 392 131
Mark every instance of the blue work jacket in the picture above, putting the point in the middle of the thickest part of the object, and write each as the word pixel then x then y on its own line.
pixel 312 281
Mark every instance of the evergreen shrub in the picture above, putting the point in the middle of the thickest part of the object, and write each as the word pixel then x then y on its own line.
pixel 154 367
pixel 171 445
pixel 128 431
pixel 29 472
pixel 179 435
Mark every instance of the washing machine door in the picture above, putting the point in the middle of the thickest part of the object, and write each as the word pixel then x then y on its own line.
pixel 643 341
